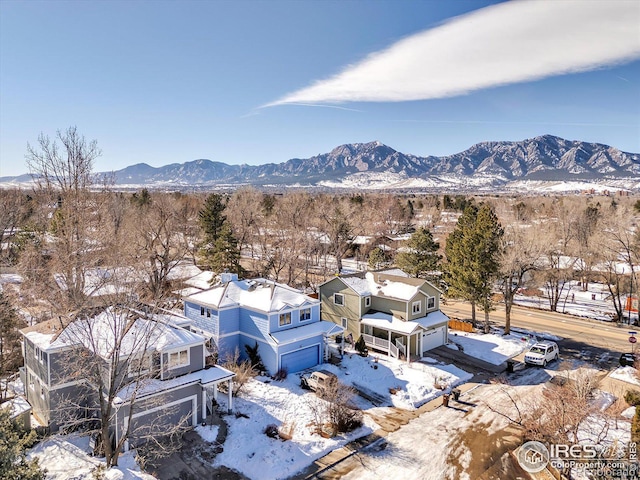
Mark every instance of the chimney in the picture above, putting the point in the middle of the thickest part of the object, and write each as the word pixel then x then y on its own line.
pixel 227 277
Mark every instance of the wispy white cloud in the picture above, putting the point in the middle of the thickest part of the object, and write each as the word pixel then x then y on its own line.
pixel 506 43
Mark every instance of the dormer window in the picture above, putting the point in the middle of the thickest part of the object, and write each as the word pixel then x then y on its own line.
pixel 338 299
pixel 305 314
pixel 431 303
pixel 416 307
pixel 367 301
pixel 285 319
pixel 179 359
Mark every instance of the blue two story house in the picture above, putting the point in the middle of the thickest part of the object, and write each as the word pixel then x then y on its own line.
pixel 283 321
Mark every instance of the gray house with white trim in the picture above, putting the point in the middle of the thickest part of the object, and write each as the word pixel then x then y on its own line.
pixel 160 371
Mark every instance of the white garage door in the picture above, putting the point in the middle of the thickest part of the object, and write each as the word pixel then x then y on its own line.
pixel 432 339
pixel 300 359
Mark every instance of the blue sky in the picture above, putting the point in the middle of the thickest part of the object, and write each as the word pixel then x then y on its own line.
pixel 254 82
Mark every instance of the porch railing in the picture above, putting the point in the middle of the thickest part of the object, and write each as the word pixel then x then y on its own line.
pixel 376 342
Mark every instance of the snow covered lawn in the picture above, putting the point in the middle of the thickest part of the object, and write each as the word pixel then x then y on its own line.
pixel 491 347
pixel 249 450
pixel 414 383
pixel 626 374
pixel 65 457
pixel 285 403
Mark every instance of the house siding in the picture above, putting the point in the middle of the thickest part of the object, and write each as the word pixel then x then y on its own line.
pixel 41 369
pixel 161 419
pixel 266 351
pixel 209 324
pixel 195 362
pixel 335 313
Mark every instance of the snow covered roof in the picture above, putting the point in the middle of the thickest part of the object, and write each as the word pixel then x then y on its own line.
pixel 16 406
pixel 259 294
pixel 360 285
pixel 306 331
pixel 152 386
pixel 135 333
pixel 387 321
pixel 201 281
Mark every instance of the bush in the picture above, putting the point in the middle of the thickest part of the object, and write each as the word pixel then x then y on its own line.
pixel 635 426
pixel 361 347
pixel 632 397
pixel 244 372
pixel 336 408
pixel 281 374
pixel 271 430
pixel 255 359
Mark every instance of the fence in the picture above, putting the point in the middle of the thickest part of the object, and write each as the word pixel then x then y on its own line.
pixel 455 324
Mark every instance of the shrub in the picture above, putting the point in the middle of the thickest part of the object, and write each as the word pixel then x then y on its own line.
pixel 255 359
pixel 281 374
pixel 244 372
pixel 361 347
pixel 336 408
pixel 632 397
pixel 271 430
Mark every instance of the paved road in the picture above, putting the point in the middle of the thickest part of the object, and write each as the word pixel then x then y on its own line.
pixel 584 339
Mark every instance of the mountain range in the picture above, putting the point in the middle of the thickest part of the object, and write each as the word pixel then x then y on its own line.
pixel 541 160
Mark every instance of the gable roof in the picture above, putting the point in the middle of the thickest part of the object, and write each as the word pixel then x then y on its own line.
pixel 260 294
pixel 99 333
pixel 386 283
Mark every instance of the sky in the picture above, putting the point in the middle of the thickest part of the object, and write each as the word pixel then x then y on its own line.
pixel 256 82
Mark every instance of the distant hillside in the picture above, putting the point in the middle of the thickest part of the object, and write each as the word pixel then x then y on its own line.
pixel 374 165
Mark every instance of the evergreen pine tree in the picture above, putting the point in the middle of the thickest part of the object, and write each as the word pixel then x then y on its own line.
pixel 472 252
pixel 13 443
pixel 377 258
pixel 421 258
pixel 212 218
pixel 224 255
pixel 10 352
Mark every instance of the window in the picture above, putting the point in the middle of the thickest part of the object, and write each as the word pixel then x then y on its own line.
pixel 285 319
pixel 431 302
pixel 416 307
pixel 345 322
pixel 367 301
pixel 202 311
pixel 140 365
pixel 41 392
pixel 338 299
pixel 179 358
pixel 208 313
pixel 305 314
pixel 38 354
pixel 32 384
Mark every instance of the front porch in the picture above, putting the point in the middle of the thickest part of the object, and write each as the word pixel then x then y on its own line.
pixel 398 338
pixel 392 343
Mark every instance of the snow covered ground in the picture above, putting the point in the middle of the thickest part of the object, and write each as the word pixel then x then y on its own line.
pixel 65 457
pixel 491 347
pixel 595 303
pixel 255 455
pixel 626 374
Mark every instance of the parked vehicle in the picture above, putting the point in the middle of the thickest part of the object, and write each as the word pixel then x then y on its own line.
pixel 627 359
pixel 542 353
pixel 319 381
